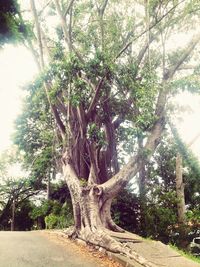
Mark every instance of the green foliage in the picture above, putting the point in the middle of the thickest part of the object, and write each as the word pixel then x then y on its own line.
pixel 126 211
pixel 16 190
pixel 191 176
pixel 12 28
pixel 193 216
pixel 160 215
pixel 54 213
pixel 61 219
pixel 95 134
pixel 185 254
pixel 189 83
pixel 34 134
pixel 51 221
pixel 41 211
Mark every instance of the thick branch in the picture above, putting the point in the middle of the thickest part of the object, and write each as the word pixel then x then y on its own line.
pixel 58 121
pixel 102 10
pixel 63 22
pixel 95 97
pixel 170 73
pixel 68 8
pixel 66 31
pixel 61 107
pixel 117 182
pixel 34 11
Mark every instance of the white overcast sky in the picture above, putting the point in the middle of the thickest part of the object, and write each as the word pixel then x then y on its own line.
pixel 17 67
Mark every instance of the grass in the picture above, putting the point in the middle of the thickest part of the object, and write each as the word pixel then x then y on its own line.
pixel 186 254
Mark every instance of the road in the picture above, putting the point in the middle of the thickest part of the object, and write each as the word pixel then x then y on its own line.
pixel 34 249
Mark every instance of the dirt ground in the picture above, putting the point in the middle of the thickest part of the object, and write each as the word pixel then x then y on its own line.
pixel 88 253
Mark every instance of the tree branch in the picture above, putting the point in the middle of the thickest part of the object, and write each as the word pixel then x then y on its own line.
pixel 34 11
pixel 96 97
pixel 66 32
pixel 150 27
pixel 102 9
pixel 69 7
pixel 143 50
pixel 114 185
pixel 192 44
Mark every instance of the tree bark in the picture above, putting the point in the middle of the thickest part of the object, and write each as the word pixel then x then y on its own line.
pixel 180 190
pixel 13 215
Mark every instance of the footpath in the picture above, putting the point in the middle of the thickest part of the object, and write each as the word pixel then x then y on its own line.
pixel 154 252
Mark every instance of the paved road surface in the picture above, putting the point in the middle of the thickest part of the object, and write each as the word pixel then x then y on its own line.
pixel 33 249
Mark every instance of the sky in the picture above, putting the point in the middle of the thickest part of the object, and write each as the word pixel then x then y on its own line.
pixel 189 124
pixel 17 68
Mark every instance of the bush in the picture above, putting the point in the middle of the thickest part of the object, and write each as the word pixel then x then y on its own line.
pixel 51 221
pixel 54 214
pixel 60 217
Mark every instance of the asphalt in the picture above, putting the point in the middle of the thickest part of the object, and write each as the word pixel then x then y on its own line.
pixel 32 249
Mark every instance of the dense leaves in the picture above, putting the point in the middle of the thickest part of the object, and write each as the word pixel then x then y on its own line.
pixel 12 28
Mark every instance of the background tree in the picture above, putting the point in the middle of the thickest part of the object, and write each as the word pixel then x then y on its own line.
pixel 14 195
pixel 35 136
pixel 55 212
pixel 161 213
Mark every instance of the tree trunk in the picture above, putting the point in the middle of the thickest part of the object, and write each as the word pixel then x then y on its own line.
pixel 93 222
pixel 48 186
pixel 13 215
pixel 180 190
pixel 142 188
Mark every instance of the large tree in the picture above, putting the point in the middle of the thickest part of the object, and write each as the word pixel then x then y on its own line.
pixel 108 69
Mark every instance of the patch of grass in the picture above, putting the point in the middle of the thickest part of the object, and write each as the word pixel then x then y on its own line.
pixel 185 254
pixel 148 238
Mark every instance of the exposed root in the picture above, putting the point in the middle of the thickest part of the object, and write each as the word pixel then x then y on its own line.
pixel 71 232
pixel 124 237
pixel 102 239
pixel 114 227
